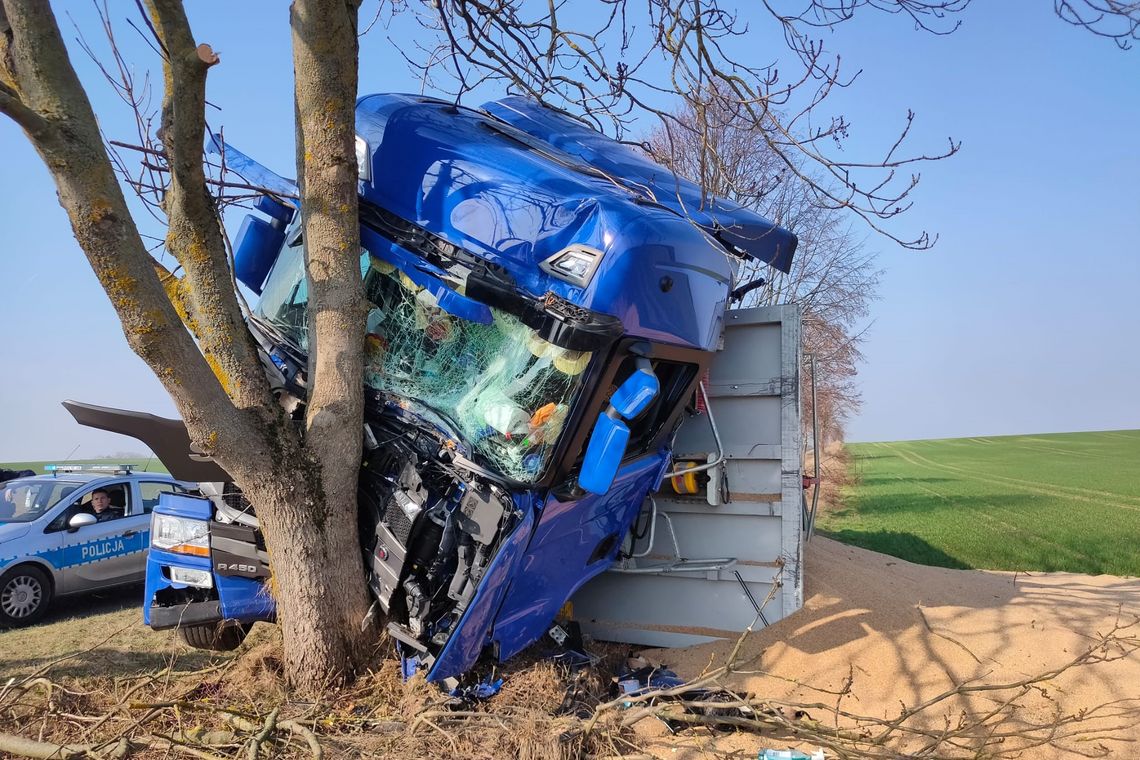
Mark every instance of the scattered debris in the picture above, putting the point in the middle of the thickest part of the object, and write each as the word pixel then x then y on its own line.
pixel 789 754
pixel 466 696
pixel 639 677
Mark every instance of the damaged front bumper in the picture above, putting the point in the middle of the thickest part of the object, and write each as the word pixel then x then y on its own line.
pixel 170 603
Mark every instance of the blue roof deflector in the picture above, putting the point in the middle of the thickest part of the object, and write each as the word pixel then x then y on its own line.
pixel 734 225
pixel 252 172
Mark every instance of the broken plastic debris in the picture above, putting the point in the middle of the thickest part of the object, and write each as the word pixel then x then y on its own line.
pixel 648 678
pixel 477 692
pixel 507 419
pixel 409 666
pixel 789 754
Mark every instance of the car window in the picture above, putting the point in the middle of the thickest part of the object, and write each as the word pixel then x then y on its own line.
pixel 25 500
pixel 120 494
pixel 150 490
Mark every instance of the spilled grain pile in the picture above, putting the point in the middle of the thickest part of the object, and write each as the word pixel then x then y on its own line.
pixel 893 634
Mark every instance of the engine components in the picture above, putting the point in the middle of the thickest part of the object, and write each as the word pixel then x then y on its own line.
pixel 429 529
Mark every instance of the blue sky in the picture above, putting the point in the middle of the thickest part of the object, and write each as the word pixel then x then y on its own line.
pixel 1022 319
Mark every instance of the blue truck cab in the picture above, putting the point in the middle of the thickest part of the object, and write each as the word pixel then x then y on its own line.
pixel 543 302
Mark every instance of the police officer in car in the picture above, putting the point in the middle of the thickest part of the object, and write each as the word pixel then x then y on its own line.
pixel 101 506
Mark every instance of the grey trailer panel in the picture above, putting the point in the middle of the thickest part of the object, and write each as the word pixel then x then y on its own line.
pixel 704 569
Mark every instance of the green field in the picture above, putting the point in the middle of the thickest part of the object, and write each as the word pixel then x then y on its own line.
pixel 1066 501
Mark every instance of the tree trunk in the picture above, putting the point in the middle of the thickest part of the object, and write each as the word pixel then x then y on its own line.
pixel 318 574
pixel 325 75
pixel 304 488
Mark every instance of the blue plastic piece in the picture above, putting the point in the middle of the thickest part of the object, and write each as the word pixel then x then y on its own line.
pixel 278 362
pixel 409 666
pixel 276 209
pixel 603 454
pixel 245 599
pixel 638 390
pixel 479 691
pixel 642 680
pixel 251 171
pixel 258 243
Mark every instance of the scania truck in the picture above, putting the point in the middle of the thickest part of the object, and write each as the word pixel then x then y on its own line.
pixel 544 302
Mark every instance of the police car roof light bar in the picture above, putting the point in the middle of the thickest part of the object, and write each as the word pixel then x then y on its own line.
pixel 117 469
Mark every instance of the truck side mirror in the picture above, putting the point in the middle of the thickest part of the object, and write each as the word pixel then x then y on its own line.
pixel 603 453
pixel 640 388
pixel 611 435
pixel 259 241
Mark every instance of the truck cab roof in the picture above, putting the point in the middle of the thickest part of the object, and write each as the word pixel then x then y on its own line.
pixel 556 207
pixel 520 202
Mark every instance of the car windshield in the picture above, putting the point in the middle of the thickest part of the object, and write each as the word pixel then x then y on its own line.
pixel 504 390
pixel 25 500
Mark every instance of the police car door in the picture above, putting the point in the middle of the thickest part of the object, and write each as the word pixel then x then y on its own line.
pixel 111 552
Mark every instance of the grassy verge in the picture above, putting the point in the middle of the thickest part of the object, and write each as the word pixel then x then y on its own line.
pixel 1067 502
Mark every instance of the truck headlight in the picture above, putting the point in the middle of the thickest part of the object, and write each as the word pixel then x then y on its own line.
pixel 180 535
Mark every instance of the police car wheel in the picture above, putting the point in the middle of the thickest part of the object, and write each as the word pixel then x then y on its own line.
pixel 213 637
pixel 24 596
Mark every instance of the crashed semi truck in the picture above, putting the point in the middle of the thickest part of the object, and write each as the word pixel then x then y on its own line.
pixel 545 305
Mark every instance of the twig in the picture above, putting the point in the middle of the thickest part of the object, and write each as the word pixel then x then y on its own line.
pixel 18 745
pixel 953 641
pixel 255 742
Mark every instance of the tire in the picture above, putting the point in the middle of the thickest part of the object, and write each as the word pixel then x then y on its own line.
pixel 25 593
pixel 218 637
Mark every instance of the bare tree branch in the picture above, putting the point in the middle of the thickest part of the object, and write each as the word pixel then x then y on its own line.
pixel 833 278
pixel 601 72
pixel 194 235
pixel 1117 20
pixel 36 64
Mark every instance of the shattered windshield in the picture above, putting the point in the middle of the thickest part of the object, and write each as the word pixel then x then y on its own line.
pixel 504 390
pixel 26 500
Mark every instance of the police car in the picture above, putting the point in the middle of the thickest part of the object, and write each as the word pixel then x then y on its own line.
pixel 52 544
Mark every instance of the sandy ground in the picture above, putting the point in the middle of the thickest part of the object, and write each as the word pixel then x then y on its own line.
pixel 908 632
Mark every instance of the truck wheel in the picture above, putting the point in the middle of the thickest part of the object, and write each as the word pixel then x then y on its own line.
pixel 25 593
pixel 215 637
